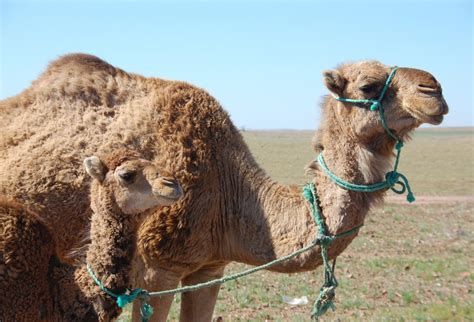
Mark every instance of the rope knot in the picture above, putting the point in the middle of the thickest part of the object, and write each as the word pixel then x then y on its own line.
pixel 124 299
pixel 399 145
pixel 410 195
pixel 392 178
pixel 324 301
pixel 146 309
pixel 375 106
pixel 324 240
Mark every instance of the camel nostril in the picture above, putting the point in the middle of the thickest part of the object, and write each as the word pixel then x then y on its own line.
pixel 169 182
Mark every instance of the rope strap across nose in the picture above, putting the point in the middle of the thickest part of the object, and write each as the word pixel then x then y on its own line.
pixel 375 104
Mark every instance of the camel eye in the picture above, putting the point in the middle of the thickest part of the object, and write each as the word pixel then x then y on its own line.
pixel 127 176
pixel 369 88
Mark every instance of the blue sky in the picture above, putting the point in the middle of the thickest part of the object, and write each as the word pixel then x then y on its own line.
pixel 261 59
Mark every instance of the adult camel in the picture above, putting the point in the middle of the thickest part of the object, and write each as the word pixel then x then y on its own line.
pixel 231 210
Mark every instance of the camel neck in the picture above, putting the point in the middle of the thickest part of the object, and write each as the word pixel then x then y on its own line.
pixel 109 255
pixel 264 219
pixel 271 219
pixel 112 247
pixel 352 161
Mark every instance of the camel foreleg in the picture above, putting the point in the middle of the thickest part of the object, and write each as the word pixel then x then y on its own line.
pixel 157 279
pixel 198 306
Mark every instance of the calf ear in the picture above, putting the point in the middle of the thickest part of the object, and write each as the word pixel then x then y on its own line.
pixel 334 81
pixel 95 168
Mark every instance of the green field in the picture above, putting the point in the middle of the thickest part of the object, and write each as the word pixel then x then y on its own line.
pixel 410 262
pixel 437 161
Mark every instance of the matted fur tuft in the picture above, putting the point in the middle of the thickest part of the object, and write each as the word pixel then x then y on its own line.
pixel 117 157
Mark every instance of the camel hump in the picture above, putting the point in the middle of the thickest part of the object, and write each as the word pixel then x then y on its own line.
pixel 84 63
pixel 77 76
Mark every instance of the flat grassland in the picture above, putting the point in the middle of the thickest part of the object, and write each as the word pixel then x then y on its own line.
pixel 410 262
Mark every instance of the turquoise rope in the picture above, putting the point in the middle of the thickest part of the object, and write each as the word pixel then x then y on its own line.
pixel 347 185
pixel 146 309
pixel 327 292
pixel 393 177
pixel 375 104
pixel 322 303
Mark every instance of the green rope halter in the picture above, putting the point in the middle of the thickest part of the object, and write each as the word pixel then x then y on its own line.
pixel 393 177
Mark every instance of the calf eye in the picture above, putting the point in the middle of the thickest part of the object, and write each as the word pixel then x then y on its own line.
pixel 127 176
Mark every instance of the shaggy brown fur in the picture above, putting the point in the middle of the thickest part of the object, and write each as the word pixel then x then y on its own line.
pixel 23 269
pixel 231 210
pixel 35 286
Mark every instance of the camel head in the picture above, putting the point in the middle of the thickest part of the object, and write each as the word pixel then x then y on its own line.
pixel 134 184
pixel 413 97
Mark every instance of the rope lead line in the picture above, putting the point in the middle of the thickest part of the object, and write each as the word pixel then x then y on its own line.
pixel 322 303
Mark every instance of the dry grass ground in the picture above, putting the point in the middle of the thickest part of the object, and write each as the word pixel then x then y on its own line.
pixel 410 262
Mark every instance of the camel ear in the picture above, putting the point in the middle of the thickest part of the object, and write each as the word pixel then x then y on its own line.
pixel 95 168
pixel 334 81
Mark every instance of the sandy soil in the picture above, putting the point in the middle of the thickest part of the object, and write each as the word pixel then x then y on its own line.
pixel 428 200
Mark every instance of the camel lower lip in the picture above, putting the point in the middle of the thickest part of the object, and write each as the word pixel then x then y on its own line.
pixel 436 120
pixel 425 118
pixel 168 198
